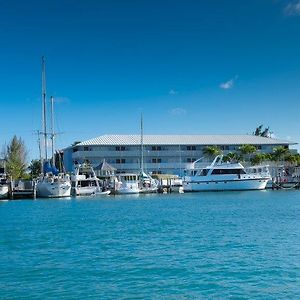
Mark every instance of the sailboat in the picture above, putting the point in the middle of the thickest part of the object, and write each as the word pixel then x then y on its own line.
pixel 51 182
pixel 146 183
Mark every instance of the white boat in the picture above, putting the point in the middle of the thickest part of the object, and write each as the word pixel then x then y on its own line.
pixel 53 186
pixel 127 183
pixel 51 183
pixel 3 186
pixel 222 176
pixel 147 184
pixel 85 181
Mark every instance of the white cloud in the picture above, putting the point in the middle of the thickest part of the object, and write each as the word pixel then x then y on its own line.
pixel 173 92
pixel 228 84
pixel 293 8
pixel 178 111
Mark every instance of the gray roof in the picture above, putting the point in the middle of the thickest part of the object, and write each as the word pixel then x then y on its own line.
pixel 184 140
pixel 104 166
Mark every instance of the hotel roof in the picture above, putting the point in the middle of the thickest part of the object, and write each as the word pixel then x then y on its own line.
pixel 184 140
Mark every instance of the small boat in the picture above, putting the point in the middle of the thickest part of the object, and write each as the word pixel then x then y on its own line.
pixel 147 184
pixel 85 181
pixel 102 193
pixel 3 186
pixel 127 183
pixel 221 176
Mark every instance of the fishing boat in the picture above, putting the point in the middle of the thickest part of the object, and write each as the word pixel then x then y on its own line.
pixel 147 184
pixel 85 181
pixel 127 183
pixel 221 176
pixel 51 183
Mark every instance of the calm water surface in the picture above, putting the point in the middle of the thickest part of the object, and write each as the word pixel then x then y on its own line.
pixel 236 245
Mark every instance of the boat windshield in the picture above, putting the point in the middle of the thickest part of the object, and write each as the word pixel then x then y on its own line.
pixel 227 171
pixel 204 172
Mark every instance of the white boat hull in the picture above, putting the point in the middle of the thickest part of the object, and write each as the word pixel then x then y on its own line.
pixel 226 185
pixel 129 190
pixel 3 191
pixel 53 190
pixel 85 191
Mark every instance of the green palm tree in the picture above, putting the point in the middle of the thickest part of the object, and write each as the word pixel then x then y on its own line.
pixel 247 150
pixel 258 158
pixel 279 153
pixel 211 151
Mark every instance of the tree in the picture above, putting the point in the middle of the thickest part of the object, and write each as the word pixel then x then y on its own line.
pixel 258 158
pixel 15 157
pixel 35 168
pixel 231 156
pixel 260 131
pixel 211 151
pixel 247 150
pixel 279 153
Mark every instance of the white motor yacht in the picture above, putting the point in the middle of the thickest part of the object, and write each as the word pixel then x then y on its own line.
pixel 221 176
pixel 85 181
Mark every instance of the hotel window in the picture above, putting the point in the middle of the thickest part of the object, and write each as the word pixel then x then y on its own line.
pixel 120 148
pixel 156 160
pixel 191 148
pixel 156 172
pixel 191 160
pixel 120 161
pixel 156 148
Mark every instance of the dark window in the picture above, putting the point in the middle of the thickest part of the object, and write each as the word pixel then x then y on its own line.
pixel 227 171
pixel 75 149
pixel 156 172
pixel 191 148
pixel 120 148
pixel 191 160
pixel 156 148
pixel 86 149
pixel 204 172
pixel 120 161
pixel 156 160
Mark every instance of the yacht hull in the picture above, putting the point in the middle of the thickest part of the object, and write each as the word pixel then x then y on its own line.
pixel 53 190
pixel 225 185
pixel 3 191
pixel 85 191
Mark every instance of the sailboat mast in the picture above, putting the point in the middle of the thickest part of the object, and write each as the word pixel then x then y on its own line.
pixel 142 145
pixel 52 130
pixel 44 118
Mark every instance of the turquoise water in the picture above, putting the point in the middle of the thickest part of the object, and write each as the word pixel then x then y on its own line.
pixel 236 245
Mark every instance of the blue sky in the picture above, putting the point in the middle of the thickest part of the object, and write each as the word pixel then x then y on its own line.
pixel 191 67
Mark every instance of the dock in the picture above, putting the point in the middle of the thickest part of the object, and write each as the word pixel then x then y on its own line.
pixel 22 189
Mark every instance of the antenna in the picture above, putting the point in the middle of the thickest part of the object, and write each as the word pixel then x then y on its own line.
pixel 142 145
pixel 52 130
pixel 44 118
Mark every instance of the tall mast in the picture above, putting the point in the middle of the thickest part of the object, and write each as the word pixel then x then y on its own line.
pixel 44 118
pixel 52 130
pixel 142 145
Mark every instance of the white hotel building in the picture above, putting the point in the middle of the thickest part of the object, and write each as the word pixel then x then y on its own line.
pixel 163 154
